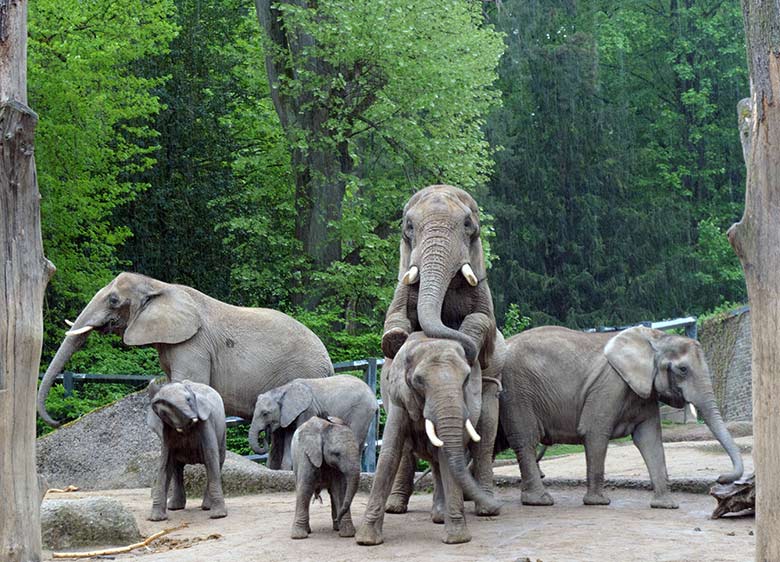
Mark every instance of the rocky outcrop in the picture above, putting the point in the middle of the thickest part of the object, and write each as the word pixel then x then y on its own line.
pixel 96 521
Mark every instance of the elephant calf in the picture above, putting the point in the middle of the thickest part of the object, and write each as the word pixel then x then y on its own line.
pixel 285 408
pixel 565 386
pixel 325 456
pixel 189 418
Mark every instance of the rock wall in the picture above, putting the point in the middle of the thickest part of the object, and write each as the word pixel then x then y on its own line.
pixel 726 340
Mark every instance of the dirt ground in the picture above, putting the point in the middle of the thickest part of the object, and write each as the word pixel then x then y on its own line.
pixel 257 528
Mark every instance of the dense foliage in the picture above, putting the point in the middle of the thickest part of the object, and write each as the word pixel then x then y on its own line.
pixel 602 145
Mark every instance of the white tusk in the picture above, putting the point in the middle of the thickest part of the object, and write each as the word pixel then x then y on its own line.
pixel 180 430
pixel 410 276
pixel 472 432
pixel 431 432
pixel 69 323
pixel 468 273
pixel 194 420
pixel 78 331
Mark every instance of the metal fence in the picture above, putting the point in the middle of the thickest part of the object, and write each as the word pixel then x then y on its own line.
pixel 367 368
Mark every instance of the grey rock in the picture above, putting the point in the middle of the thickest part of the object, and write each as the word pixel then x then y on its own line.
pixel 96 521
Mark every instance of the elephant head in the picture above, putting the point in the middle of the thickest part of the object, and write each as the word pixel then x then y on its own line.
pixel 331 442
pixel 442 388
pixel 277 408
pixel 440 247
pixel 140 309
pixel 672 368
pixel 176 405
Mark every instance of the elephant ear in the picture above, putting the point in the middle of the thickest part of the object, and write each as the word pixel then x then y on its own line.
pixel 200 407
pixel 168 315
pixel 154 422
pixel 632 354
pixel 297 398
pixel 311 442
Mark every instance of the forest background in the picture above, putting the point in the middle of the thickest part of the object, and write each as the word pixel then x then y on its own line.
pixel 600 139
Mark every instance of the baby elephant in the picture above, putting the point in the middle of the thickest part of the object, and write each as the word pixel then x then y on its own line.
pixel 285 408
pixel 325 455
pixel 189 418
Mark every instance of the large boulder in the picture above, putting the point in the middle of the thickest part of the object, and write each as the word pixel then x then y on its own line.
pixel 95 521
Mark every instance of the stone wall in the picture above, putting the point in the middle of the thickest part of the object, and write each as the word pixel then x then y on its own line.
pixel 726 340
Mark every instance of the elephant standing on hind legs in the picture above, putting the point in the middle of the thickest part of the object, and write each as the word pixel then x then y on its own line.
pixel 565 386
pixel 443 291
pixel 240 352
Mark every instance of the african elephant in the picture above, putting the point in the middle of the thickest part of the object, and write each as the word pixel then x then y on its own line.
pixel 325 455
pixel 565 386
pixel 434 402
pixel 240 352
pixel 189 419
pixel 287 407
pixel 443 290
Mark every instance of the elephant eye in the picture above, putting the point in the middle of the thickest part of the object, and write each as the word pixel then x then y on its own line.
pixel 683 369
pixel 113 300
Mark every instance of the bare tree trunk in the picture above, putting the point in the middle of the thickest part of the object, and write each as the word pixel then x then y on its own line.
pixel 25 273
pixel 756 240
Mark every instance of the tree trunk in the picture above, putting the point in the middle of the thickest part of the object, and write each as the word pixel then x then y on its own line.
pixel 756 240
pixel 22 283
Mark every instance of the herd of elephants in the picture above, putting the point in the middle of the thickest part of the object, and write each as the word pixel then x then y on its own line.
pixel 454 390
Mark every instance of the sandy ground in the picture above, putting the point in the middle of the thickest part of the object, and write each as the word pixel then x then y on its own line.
pixel 257 527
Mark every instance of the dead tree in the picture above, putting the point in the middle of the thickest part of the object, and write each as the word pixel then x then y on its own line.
pixel 756 240
pixel 24 274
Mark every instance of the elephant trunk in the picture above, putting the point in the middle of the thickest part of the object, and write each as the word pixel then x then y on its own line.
pixel 353 481
pixel 68 347
pixel 435 278
pixel 449 427
pixel 714 421
pixel 254 441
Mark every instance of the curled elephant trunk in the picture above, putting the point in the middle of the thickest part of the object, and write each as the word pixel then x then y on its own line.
pixel 254 439
pixel 68 347
pixel 435 278
pixel 714 421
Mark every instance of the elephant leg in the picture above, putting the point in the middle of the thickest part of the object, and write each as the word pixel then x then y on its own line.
pixel 178 496
pixel 276 454
pixel 211 459
pixel 520 427
pixel 186 361
pixel 455 528
pixel 647 438
pixel 482 451
pixel 304 486
pixel 439 509
pixel 478 326
pixel 335 504
pixel 396 428
pixel 287 451
pixel 596 443
pixel 403 485
pixel 160 491
pixel 346 526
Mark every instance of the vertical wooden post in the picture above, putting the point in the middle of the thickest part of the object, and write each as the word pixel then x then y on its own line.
pixel 756 240
pixel 24 273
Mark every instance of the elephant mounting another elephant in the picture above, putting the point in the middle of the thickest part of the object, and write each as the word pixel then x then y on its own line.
pixel 565 386
pixel 240 352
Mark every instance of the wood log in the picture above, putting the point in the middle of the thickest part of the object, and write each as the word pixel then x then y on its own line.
pixel 737 498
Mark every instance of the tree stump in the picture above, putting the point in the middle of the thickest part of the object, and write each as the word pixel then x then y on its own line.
pixel 738 497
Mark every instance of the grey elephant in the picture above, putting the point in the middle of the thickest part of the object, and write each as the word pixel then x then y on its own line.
pixel 284 409
pixel 240 352
pixel 565 386
pixel 443 290
pixel 325 456
pixel 189 419
pixel 434 402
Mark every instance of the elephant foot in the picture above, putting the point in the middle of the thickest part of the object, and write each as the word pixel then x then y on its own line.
pixel 537 498
pixel 157 515
pixel 392 340
pixel 437 514
pixel 369 535
pixel 487 509
pixel 595 499
pixel 347 529
pixel 299 533
pixel 397 503
pixel 664 502
pixel 457 533
pixel 218 511
pixel 175 503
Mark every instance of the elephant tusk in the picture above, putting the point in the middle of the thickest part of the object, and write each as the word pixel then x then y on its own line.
pixel 194 420
pixel 410 276
pixel 472 432
pixel 468 273
pixel 79 331
pixel 180 430
pixel 431 433
pixel 68 323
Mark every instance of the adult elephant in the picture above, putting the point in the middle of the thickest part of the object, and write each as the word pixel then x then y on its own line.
pixel 443 291
pixel 565 386
pixel 240 352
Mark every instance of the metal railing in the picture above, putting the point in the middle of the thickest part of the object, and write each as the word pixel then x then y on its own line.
pixel 368 368
pixel 688 324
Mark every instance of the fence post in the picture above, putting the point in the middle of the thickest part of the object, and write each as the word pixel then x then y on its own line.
pixel 691 331
pixel 369 453
pixel 67 382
